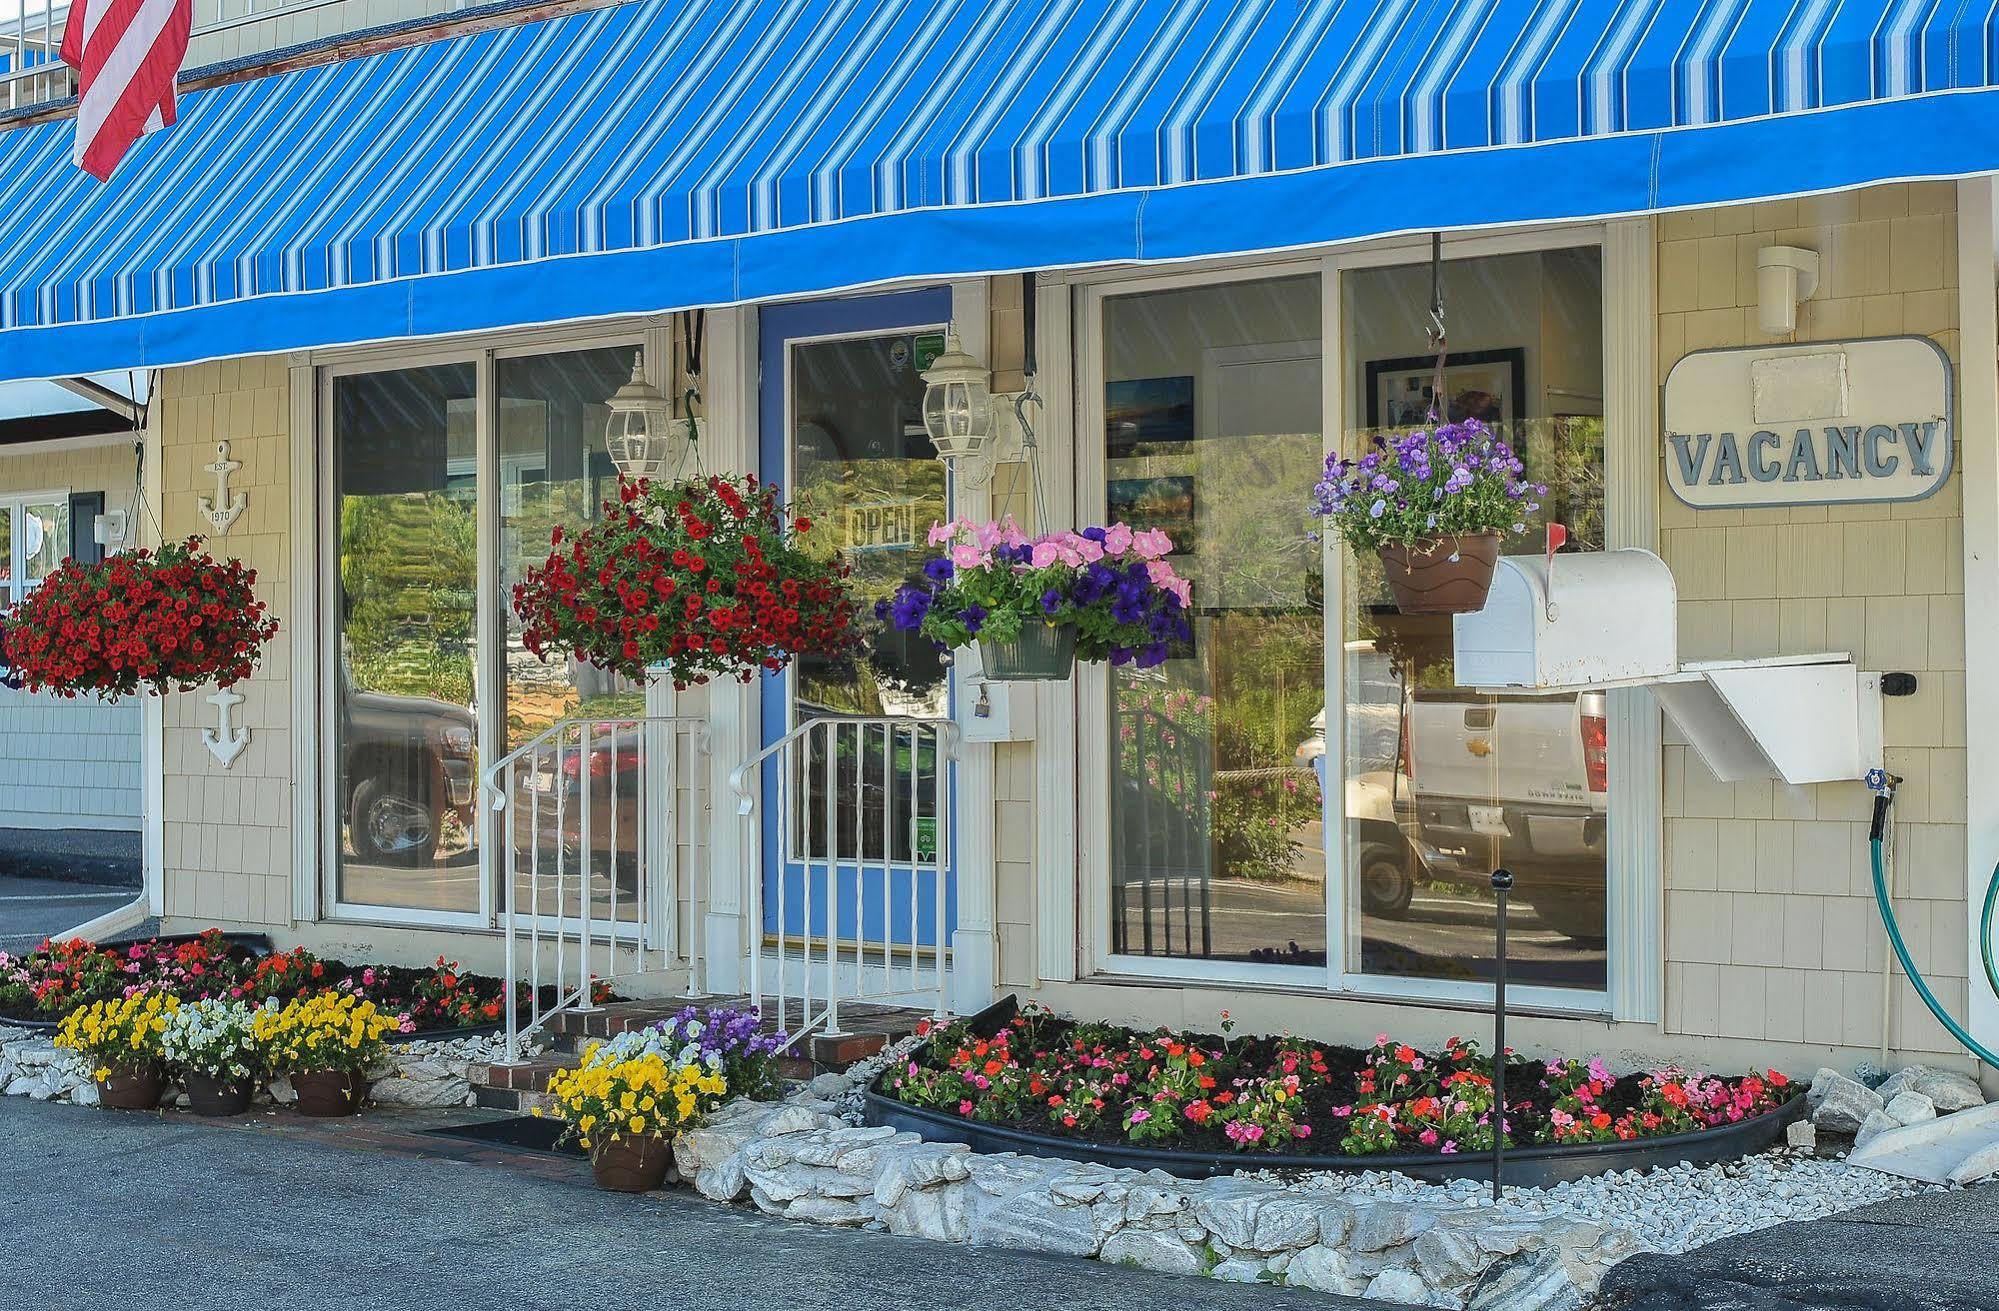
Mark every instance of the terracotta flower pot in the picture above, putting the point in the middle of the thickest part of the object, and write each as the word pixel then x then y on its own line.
pixel 1450 577
pixel 330 1092
pixel 631 1164
pixel 131 1087
pixel 210 1095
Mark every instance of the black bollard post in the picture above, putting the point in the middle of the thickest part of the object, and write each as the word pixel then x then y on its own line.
pixel 1502 884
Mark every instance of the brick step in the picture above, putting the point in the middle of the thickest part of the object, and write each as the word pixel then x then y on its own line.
pixel 520 1087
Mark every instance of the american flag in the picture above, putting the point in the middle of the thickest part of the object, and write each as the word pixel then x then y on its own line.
pixel 127 53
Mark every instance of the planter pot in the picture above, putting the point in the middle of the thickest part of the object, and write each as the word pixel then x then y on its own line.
pixel 1450 577
pixel 209 1095
pixel 1042 653
pixel 330 1092
pixel 631 1165
pixel 131 1087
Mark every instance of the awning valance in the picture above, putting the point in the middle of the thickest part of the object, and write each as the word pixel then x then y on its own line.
pixel 664 154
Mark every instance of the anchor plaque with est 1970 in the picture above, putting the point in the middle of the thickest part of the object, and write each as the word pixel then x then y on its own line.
pixel 224 508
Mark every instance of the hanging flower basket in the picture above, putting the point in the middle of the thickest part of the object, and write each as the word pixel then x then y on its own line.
pixel 1041 653
pixel 1036 605
pixel 1446 577
pixel 142 621
pixel 701 578
pixel 1433 505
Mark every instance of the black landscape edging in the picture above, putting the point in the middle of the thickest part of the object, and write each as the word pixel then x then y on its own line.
pixel 1526 1167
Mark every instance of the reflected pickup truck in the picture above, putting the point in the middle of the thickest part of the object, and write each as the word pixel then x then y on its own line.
pixel 1525 779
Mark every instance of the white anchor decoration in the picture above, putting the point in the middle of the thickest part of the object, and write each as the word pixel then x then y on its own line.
pixel 227 739
pixel 223 510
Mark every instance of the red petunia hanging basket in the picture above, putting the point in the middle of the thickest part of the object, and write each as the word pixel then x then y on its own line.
pixel 141 621
pixel 702 578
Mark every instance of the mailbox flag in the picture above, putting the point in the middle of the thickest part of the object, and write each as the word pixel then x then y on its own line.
pixel 127 54
pixel 1558 537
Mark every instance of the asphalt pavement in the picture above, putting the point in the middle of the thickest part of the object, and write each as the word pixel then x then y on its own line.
pixel 32 909
pixel 131 1209
pixel 1933 1252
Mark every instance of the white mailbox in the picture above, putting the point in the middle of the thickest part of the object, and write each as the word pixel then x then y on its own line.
pixel 1594 618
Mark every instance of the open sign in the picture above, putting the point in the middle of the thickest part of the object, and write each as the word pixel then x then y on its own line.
pixel 882 526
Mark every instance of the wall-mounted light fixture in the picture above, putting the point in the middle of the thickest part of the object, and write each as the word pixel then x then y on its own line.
pixel 641 436
pixel 1786 277
pixel 973 427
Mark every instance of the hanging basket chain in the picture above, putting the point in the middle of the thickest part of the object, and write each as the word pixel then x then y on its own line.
pixel 1440 409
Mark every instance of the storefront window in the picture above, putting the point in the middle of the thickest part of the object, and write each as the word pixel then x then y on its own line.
pixel 1212 413
pixel 405 487
pixel 1442 784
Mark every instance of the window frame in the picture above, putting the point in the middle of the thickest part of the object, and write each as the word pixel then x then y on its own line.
pixel 14 505
pixel 1635 864
pixel 484 355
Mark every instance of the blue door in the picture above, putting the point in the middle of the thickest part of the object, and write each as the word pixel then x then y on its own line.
pixel 859 801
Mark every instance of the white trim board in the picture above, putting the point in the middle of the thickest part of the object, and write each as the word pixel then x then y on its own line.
pixel 1978 429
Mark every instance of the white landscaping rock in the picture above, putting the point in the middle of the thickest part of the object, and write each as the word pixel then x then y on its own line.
pixel 1981 1164
pixel 1910 1108
pixel 1802 1135
pixel 1842 1104
pixel 1404 1286
pixel 1928 1149
pixel 1536 1281
pixel 1948 1090
pixel 1032 1221
pixel 1320 1268
pixel 1152 1249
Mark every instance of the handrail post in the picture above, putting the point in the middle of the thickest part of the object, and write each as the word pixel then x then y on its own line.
pixel 586 864
pixel 832 733
pixel 509 986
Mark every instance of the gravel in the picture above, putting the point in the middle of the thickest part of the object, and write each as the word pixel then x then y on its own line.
pixel 1672 1210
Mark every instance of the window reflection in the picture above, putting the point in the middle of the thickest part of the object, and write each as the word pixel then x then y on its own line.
pixel 553 470
pixel 1212 413
pixel 405 487
pixel 1443 783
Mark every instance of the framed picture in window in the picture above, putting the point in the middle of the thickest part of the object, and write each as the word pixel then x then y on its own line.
pixel 1163 503
pixel 1485 385
pixel 1145 412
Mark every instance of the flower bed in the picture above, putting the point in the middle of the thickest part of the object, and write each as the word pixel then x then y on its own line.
pixel 42 986
pixel 1226 1102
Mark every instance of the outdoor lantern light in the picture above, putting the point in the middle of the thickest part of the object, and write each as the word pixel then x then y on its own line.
pixel 957 403
pixel 640 435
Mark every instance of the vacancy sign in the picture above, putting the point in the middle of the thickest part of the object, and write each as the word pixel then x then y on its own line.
pixel 1825 423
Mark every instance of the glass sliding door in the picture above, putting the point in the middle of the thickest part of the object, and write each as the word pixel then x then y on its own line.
pixel 1212 411
pixel 553 471
pixel 405 624
pixel 1442 783
pixel 426 500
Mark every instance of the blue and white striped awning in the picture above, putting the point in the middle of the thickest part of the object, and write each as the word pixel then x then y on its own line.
pixel 662 154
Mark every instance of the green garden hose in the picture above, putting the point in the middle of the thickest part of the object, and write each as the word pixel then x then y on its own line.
pixel 1883 795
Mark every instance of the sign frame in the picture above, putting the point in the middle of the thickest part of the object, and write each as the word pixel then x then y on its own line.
pixel 1768 350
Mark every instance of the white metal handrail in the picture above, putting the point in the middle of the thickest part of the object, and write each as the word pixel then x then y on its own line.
pixel 810 974
pixel 594 815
